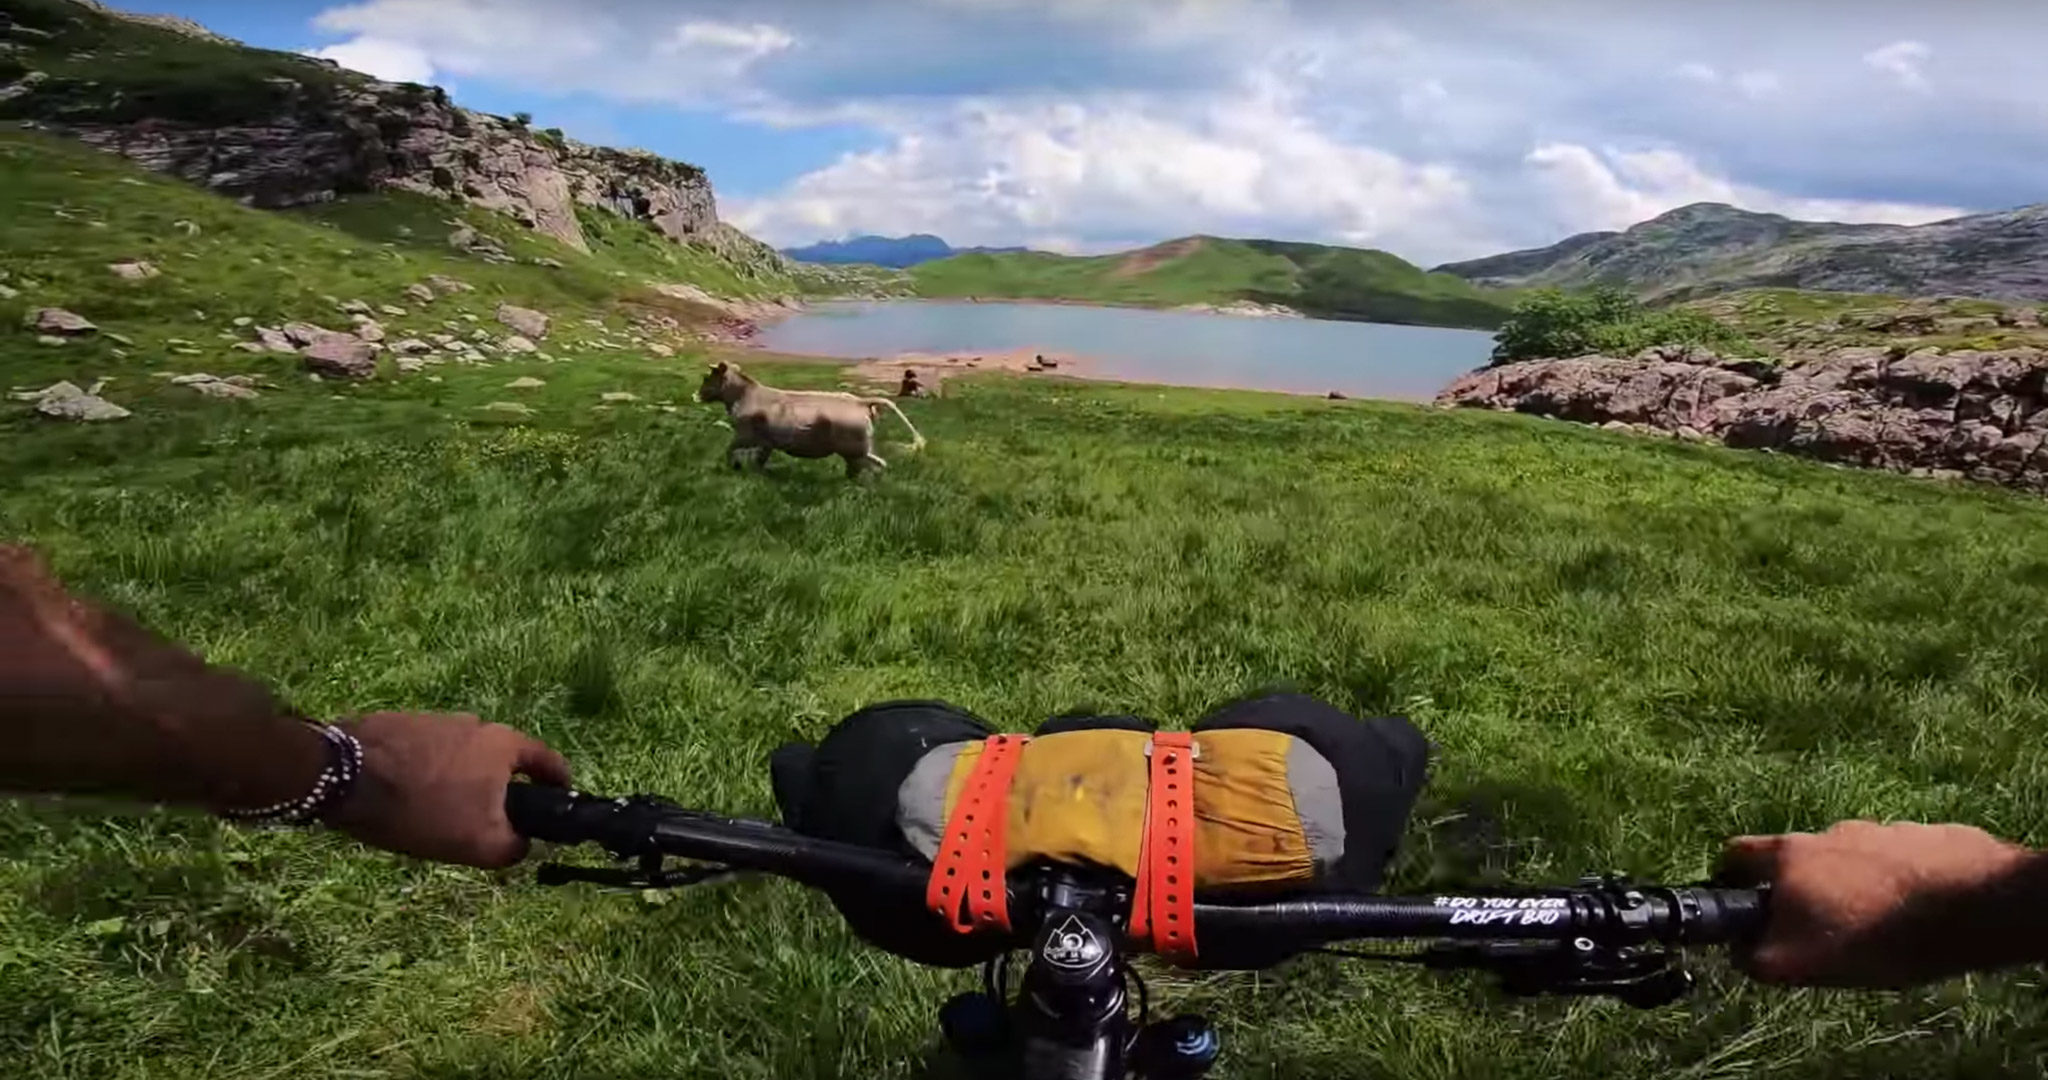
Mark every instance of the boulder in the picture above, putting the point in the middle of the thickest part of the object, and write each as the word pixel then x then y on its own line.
pixel 59 322
pixel 408 364
pixel 392 310
pixel 369 329
pixel 354 307
pixel 421 292
pixel 448 286
pixel 511 408
pixel 275 340
pixel 616 397
pixel 302 335
pixel 215 387
pixel 411 347
pixel 65 401
pixel 661 350
pixel 340 356
pixel 525 382
pixel 517 344
pixel 136 270
pixel 525 322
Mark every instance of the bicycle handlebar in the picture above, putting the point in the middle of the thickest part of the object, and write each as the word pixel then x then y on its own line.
pixel 1608 911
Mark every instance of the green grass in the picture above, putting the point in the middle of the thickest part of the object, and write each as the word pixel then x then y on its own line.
pixel 1624 650
pixel 1324 281
pixel 1814 318
pixel 105 69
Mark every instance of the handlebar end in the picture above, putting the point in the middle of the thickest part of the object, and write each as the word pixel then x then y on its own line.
pixel 540 812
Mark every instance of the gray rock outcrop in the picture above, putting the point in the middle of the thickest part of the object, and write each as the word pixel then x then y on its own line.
pixel 58 322
pixel 524 321
pixel 341 357
pixel 65 401
pixel 1983 415
pixel 323 141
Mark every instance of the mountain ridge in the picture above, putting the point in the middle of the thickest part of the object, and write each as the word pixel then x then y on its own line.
pixel 1707 248
pixel 1222 273
pixel 894 252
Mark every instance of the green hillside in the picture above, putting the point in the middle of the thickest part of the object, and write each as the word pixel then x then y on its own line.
pixel 1330 282
pixel 73 211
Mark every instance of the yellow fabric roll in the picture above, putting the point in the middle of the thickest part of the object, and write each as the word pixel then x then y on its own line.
pixel 1079 797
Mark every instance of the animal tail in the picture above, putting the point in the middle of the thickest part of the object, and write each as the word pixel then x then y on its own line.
pixel 873 403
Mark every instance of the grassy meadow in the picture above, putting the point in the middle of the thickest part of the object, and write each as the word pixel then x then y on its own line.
pixel 1624 650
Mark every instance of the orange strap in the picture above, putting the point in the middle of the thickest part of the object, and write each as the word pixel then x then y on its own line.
pixel 1164 908
pixel 973 853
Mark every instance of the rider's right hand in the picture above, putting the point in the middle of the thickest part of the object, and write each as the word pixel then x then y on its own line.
pixel 1868 905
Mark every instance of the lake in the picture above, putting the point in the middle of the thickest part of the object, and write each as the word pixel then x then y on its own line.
pixel 1311 356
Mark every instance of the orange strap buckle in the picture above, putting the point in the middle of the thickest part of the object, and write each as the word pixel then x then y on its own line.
pixel 973 853
pixel 1164 908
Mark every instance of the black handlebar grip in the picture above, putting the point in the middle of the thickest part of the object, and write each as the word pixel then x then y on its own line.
pixel 545 813
pixel 1724 916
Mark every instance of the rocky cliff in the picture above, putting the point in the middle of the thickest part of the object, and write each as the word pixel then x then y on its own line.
pixel 1709 248
pixel 277 130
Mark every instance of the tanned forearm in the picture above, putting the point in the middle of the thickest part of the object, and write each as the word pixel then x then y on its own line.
pixel 92 703
pixel 1993 925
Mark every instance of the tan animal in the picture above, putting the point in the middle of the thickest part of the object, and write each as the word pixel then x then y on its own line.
pixel 800 423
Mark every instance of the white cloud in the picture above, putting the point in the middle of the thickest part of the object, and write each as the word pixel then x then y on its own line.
pixel 1070 176
pixel 1904 61
pixel 1754 85
pixel 747 43
pixel 1613 189
pixel 392 61
pixel 1436 129
pixel 1757 85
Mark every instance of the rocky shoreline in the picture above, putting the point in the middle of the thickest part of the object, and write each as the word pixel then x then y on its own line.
pixel 1963 413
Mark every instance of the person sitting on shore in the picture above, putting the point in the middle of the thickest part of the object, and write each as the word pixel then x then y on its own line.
pixel 910 387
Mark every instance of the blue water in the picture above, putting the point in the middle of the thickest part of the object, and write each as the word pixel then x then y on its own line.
pixel 1310 356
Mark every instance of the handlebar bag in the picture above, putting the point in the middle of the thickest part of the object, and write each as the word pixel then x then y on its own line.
pixel 1290 794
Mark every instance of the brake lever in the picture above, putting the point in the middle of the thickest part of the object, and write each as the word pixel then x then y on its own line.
pixel 651 873
pixel 1645 977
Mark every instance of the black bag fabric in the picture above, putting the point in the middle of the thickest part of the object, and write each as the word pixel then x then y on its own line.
pixel 845 789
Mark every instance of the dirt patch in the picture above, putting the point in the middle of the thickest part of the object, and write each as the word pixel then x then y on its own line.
pixel 935 368
pixel 1140 262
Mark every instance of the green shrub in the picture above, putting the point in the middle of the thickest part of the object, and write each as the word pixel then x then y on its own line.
pixel 1553 323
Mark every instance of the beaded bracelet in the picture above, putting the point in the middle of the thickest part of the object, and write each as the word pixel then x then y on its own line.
pixel 336 780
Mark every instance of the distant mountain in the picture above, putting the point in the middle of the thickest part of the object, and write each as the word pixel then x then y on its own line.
pixel 898 252
pixel 1240 275
pixel 1709 247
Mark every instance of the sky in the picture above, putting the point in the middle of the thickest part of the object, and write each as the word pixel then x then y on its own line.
pixel 1435 129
